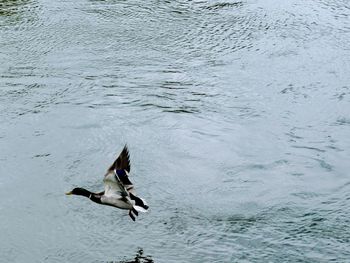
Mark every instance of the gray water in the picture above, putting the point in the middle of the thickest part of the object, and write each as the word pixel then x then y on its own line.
pixel 236 114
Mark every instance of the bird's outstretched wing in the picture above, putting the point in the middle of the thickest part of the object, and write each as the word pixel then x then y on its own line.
pixel 113 186
pixel 122 162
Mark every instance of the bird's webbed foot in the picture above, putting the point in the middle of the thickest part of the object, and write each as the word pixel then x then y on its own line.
pixel 135 212
pixel 132 216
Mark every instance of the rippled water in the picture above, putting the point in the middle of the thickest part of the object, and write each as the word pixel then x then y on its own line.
pixel 236 114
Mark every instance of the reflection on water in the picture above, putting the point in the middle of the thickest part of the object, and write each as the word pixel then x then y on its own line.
pixel 15 12
pixel 11 7
pixel 139 258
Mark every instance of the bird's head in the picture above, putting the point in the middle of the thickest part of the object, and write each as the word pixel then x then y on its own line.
pixel 79 191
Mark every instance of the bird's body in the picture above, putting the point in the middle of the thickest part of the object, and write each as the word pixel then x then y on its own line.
pixel 119 191
pixel 115 194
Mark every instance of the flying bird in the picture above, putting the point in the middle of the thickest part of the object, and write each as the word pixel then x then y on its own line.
pixel 119 190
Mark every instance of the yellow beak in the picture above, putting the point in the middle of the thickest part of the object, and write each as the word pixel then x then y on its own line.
pixel 69 193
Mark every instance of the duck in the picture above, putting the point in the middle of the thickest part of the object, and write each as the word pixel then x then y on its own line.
pixel 119 191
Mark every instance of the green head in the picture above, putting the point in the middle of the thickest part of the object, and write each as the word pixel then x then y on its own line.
pixel 79 191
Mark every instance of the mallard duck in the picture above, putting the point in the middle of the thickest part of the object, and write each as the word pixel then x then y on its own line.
pixel 119 191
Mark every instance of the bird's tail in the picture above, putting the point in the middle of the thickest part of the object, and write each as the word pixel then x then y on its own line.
pixel 139 209
pixel 134 211
pixel 140 204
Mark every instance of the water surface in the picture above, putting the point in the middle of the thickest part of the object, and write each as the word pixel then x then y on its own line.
pixel 236 114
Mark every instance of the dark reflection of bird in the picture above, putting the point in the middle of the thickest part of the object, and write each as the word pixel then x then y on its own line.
pixel 139 258
pixel 119 191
